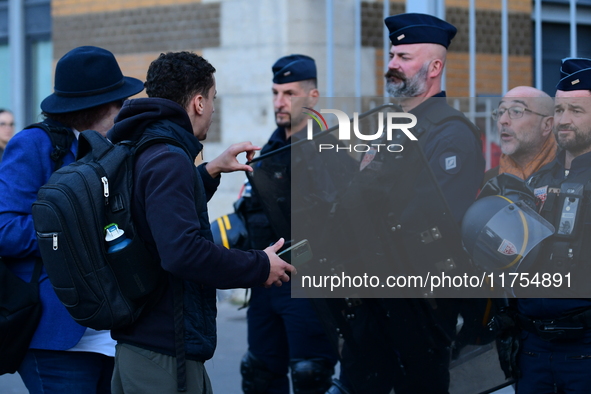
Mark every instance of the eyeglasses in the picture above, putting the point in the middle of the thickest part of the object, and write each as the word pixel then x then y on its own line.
pixel 3 124
pixel 514 112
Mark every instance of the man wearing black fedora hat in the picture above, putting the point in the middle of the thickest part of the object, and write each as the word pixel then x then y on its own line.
pixel 169 208
pixel 63 356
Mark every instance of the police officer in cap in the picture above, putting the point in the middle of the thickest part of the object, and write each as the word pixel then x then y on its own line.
pixel 451 143
pixel 284 332
pixel 556 333
pixel 416 358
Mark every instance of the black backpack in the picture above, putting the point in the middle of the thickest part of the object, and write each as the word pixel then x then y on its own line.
pixel 20 306
pixel 100 290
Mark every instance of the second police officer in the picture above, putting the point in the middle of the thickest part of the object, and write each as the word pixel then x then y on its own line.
pixel 284 332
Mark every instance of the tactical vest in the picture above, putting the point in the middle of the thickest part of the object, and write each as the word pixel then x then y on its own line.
pixel 567 206
pixel 439 115
pixel 272 194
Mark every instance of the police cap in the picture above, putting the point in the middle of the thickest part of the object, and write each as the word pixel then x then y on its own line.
pixel 575 74
pixel 294 68
pixel 414 28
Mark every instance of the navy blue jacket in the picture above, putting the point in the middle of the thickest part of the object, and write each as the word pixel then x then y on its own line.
pixel 276 141
pixel 170 211
pixel 555 175
pixel 454 155
pixel 298 173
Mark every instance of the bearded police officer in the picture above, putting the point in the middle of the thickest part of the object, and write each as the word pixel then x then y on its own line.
pixel 283 332
pixel 452 147
pixel 555 351
pixel 451 144
pixel 415 358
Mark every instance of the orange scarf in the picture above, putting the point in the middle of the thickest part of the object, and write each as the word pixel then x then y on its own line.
pixel 545 156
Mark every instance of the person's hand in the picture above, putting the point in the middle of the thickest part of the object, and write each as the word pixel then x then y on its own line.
pixel 279 268
pixel 228 162
pixel 508 338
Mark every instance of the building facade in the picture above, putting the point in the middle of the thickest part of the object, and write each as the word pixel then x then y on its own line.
pixel 494 50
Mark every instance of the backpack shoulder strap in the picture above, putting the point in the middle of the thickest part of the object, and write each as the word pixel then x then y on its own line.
pixel 148 141
pixel 37 271
pixel 61 140
pixel 92 141
pixel 37 268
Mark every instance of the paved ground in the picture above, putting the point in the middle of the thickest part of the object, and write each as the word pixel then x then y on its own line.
pixel 12 384
pixel 223 369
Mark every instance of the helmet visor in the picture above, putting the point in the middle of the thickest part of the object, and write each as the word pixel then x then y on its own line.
pixel 509 236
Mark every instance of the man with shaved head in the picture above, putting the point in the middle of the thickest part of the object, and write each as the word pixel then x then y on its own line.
pixel 405 344
pixel 524 121
pixel 451 144
pixel 414 72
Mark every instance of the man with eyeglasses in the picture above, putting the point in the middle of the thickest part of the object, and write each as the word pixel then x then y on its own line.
pixel 6 129
pixel 524 122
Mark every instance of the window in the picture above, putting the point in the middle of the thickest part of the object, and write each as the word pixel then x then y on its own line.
pixel 41 76
pixel 4 77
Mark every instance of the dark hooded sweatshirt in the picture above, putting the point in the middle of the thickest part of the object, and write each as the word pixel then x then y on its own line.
pixel 170 212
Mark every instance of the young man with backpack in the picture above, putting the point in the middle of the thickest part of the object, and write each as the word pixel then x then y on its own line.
pixel 63 356
pixel 170 214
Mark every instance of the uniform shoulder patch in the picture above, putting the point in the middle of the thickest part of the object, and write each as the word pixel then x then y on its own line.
pixel 450 162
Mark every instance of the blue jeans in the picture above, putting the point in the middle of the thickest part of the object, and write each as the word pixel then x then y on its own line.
pixel 52 371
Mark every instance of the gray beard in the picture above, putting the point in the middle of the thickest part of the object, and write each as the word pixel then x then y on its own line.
pixel 410 87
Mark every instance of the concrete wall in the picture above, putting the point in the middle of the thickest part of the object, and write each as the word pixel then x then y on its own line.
pixel 254 34
pixel 243 38
pixel 488 44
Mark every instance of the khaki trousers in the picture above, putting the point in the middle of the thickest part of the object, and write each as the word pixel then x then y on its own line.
pixel 141 371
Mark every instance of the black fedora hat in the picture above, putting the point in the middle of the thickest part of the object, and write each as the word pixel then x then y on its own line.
pixel 87 77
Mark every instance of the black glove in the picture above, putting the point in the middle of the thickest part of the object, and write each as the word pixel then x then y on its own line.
pixel 508 341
